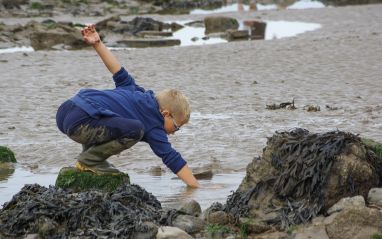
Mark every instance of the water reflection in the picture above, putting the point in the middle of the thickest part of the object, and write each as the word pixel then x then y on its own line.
pixel 6 170
pixel 237 7
pixel 274 30
pixel 169 190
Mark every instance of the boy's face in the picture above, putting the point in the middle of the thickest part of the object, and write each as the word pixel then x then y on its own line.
pixel 171 125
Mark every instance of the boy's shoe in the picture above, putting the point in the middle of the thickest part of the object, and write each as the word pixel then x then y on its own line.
pixel 102 168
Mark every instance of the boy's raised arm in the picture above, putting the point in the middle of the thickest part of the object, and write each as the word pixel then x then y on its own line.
pixel 91 37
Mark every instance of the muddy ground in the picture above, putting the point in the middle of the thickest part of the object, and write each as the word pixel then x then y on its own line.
pixel 229 86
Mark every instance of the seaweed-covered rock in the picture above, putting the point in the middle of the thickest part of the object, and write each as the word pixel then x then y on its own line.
pixel 72 178
pixel 6 155
pixel 127 212
pixel 301 175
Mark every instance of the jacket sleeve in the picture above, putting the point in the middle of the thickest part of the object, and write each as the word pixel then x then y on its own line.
pixel 158 141
pixel 123 79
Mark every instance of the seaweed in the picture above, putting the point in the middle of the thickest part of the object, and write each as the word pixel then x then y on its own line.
pixel 59 213
pixel 303 162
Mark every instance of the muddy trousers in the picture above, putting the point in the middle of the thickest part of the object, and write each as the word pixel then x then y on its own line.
pixel 100 137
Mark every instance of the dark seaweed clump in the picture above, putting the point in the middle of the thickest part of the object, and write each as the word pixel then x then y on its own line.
pixel 58 213
pixel 302 162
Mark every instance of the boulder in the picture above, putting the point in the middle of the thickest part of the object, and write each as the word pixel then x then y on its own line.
pixel 373 145
pixel 72 178
pixel 220 24
pixel 356 223
pixel 218 217
pixel 253 226
pixel 6 155
pixel 142 43
pixel 301 175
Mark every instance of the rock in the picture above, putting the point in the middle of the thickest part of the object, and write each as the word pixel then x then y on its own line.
pixel 70 177
pixel 257 29
pixel 311 232
pixel 348 202
pixel 199 24
pixel 172 233
pixel 154 33
pixel 147 230
pixel 220 24
pixel 312 108
pixel 6 155
pixel 233 35
pixel 41 40
pixel 355 223
pixel 127 212
pixel 189 223
pixel 142 43
pixel 298 165
pixel 375 197
pixel 104 24
pixel 219 217
pixel 373 145
pixel 204 174
pixel 216 206
pixel 272 235
pixel 253 226
pixel 191 208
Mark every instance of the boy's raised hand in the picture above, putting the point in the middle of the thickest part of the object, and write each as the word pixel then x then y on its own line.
pixel 90 34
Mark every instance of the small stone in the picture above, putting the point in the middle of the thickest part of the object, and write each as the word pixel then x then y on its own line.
pixel 348 202
pixel 219 217
pixel 375 197
pixel 312 108
pixel 191 208
pixel 189 223
pixel 253 226
pixel 195 39
pixel 172 233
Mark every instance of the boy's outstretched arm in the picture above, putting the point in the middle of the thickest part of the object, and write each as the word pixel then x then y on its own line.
pixel 186 175
pixel 91 36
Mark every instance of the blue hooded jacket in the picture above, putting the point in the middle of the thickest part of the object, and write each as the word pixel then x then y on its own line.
pixel 131 101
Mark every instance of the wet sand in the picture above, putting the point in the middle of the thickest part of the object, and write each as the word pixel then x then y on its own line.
pixel 339 65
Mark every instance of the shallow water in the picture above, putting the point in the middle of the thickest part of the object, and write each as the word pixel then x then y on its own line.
pixel 168 189
pixel 302 4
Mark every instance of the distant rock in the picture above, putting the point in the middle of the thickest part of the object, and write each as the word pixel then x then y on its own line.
pixel 220 24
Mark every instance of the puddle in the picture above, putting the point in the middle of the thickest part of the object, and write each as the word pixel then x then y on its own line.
pixel 193 36
pixel 281 29
pixel 16 49
pixel 169 190
pixel 302 4
pixel 190 36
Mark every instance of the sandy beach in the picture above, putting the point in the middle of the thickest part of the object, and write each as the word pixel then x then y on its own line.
pixel 229 86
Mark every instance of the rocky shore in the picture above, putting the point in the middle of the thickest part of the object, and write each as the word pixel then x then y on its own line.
pixel 333 74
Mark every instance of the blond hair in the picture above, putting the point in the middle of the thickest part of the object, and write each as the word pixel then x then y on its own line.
pixel 176 103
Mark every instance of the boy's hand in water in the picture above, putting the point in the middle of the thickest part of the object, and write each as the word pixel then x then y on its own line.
pixel 90 34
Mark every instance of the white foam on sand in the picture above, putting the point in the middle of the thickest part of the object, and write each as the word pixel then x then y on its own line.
pixel 16 49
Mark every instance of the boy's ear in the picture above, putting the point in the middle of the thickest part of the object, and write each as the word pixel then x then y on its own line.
pixel 165 113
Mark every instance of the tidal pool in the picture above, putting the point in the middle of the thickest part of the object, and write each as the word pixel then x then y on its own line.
pixel 189 35
pixel 302 4
pixel 168 189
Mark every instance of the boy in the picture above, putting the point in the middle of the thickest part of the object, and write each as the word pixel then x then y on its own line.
pixel 107 122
